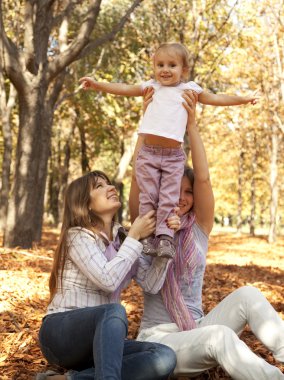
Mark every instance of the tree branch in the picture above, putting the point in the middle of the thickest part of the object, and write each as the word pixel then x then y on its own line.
pixel 9 57
pixel 65 12
pixel 29 46
pixel 279 122
pixel 110 36
pixel 48 3
pixel 72 52
pixel 210 38
pixel 81 46
pixel 55 89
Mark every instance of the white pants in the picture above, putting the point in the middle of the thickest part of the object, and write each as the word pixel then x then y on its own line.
pixel 215 341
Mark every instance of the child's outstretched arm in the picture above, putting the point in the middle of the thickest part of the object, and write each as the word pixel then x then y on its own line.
pixel 227 100
pixel 111 88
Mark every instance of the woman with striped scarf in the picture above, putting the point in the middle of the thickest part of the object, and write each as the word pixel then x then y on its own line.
pixel 174 315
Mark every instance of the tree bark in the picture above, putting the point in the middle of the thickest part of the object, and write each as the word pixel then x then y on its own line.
pixel 84 156
pixel 240 190
pixel 65 169
pixel 53 189
pixel 5 111
pixel 128 147
pixel 24 220
pixel 273 184
pixel 252 201
pixel 253 186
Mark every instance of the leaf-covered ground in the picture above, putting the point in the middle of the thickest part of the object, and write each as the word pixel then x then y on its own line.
pixel 233 261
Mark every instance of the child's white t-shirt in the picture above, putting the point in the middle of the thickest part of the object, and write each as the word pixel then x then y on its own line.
pixel 165 115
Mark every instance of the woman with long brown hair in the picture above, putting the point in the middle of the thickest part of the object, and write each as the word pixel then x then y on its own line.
pixel 85 327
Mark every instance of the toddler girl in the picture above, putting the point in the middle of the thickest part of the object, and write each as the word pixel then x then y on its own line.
pixel 160 161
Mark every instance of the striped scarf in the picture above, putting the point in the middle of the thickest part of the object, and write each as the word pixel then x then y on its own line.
pixel 184 262
pixel 110 252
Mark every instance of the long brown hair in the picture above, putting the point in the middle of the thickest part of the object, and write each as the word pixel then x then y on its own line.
pixel 76 214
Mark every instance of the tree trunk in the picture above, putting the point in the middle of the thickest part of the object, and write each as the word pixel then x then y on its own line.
pixel 127 154
pixel 120 189
pixel 44 141
pixel 5 110
pixel 24 220
pixel 127 151
pixel 84 156
pixel 53 190
pixel 65 170
pixel 240 191
pixel 252 207
pixel 273 185
pixel 253 190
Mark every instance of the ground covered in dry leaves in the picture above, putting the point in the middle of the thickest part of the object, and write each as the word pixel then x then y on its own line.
pixel 233 261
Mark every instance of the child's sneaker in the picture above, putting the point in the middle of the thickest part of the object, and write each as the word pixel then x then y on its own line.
pixel 149 246
pixel 166 247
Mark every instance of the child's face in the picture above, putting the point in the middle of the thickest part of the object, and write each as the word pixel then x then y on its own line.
pixel 168 68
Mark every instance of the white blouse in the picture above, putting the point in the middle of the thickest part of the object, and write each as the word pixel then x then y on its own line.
pixel 89 279
pixel 165 115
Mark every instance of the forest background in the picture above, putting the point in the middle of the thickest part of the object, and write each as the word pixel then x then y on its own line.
pixel 51 132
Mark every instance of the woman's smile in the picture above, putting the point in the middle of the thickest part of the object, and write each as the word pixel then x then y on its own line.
pixel 104 198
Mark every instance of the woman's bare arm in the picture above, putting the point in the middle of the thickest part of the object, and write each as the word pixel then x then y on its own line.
pixel 202 190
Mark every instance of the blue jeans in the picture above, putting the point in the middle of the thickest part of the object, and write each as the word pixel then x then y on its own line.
pixel 91 341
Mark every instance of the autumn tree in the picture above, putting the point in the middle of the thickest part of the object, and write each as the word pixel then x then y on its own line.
pixel 275 18
pixel 7 103
pixel 55 34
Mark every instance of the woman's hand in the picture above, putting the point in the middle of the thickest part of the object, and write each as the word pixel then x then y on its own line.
pixel 173 222
pixel 191 98
pixel 143 226
pixel 147 97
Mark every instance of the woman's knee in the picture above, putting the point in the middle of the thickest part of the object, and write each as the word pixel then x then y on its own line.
pixel 114 318
pixel 248 293
pixel 109 313
pixel 165 360
pixel 115 310
pixel 221 339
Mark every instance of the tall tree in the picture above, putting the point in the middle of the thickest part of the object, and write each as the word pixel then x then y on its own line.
pixel 36 63
pixel 273 86
pixel 7 103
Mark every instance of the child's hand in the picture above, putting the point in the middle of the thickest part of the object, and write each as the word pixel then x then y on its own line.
pixel 173 222
pixel 147 97
pixel 87 83
pixel 254 98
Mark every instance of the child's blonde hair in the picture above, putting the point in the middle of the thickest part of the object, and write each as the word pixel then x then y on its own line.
pixel 179 49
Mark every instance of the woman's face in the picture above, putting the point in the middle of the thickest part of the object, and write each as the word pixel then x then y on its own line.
pixel 103 198
pixel 186 196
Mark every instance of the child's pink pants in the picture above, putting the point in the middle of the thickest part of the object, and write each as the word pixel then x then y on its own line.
pixel 159 172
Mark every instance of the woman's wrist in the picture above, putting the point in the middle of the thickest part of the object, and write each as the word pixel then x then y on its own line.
pixel 133 235
pixel 191 126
